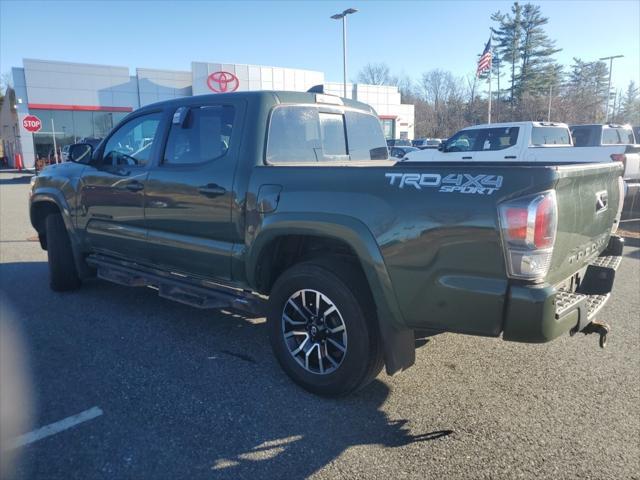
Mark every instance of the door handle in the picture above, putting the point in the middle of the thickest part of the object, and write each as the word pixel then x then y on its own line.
pixel 212 190
pixel 134 186
pixel 467 158
pixel 510 157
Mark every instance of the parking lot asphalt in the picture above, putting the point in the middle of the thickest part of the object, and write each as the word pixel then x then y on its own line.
pixel 187 393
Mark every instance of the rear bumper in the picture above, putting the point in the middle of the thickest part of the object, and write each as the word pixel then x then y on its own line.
pixel 537 314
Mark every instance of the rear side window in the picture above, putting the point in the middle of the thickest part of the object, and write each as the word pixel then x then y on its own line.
pixel 498 138
pixel 626 136
pixel 203 134
pixel 366 140
pixel 550 136
pixel 301 134
pixel 610 136
pixel 294 135
pixel 581 136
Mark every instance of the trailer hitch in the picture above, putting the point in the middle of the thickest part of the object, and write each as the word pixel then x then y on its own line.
pixel 600 328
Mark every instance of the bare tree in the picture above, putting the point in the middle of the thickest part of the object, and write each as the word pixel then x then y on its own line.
pixel 376 74
pixel 444 103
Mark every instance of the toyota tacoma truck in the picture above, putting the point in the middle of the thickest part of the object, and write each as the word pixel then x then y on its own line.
pixel 286 204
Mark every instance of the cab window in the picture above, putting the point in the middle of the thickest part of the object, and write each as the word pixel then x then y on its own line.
pixel 610 136
pixel 617 136
pixel 550 136
pixel 303 134
pixel 483 139
pixel 132 143
pixel 626 136
pixel 581 136
pixel 498 138
pixel 334 141
pixel 294 135
pixel 200 134
pixel 463 141
pixel 366 140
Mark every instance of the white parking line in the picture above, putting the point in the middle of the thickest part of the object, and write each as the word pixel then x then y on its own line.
pixel 54 428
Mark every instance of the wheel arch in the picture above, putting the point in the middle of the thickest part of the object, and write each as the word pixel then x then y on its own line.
pixel 49 201
pixel 46 201
pixel 339 230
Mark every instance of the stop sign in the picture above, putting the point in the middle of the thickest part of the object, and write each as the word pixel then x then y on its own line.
pixel 32 123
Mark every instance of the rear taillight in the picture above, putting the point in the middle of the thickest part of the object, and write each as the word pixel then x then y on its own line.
pixel 528 227
pixel 619 157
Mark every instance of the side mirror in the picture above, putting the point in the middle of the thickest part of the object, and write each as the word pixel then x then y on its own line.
pixel 80 152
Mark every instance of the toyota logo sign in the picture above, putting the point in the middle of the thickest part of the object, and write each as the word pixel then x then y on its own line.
pixel 221 82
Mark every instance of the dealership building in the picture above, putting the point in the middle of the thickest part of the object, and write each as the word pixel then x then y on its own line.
pixel 75 101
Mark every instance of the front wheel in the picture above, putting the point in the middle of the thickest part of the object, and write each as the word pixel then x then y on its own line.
pixel 62 268
pixel 322 328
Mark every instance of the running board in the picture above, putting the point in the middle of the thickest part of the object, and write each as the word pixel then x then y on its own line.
pixel 190 291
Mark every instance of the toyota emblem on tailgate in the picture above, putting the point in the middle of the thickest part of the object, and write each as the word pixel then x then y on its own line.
pixel 602 200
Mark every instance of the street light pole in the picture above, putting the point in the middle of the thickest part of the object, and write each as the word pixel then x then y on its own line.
pixel 343 16
pixel 606 112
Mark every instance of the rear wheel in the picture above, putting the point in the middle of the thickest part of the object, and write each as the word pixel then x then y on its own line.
pixel 322 327
pixel 63 274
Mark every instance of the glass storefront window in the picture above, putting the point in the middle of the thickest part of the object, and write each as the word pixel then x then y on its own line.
pixel 118 117
pixel 70 127
pixel 388 128
pixel 83 124
pixel 63 123
pixel 102 124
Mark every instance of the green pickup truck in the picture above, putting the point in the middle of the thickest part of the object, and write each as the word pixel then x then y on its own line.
pixel 286 204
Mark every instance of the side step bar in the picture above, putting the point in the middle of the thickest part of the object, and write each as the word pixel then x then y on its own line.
pixel 190 291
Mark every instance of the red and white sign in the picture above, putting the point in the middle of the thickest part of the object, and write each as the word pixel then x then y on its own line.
pixel 32 123
pixel 222 82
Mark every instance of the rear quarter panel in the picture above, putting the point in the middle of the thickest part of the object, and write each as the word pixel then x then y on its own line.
pixel 442 251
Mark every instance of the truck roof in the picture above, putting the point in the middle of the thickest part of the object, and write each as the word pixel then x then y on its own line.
pixel 610 125
pixel 517 124
pixel 267 96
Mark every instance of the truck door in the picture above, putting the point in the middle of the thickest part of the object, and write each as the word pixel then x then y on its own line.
pixel 189 193
pixel 496 144
pixel 460 147
pixel 111 201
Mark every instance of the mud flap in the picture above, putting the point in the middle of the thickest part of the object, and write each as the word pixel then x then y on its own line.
pixel 399 348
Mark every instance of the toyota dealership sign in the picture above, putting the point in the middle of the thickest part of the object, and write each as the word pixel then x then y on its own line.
pixel 32 123
pixel 222 82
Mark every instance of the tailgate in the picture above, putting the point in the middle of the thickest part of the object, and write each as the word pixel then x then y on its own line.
pixel 632 163
pixel 588 198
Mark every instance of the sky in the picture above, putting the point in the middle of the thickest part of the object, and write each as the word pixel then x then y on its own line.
pixel 410 37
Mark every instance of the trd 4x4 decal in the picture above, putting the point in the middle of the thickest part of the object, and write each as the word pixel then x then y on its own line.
pixel 454 182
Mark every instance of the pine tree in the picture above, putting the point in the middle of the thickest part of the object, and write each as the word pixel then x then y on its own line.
pixel 586 90
pixel 631 105
pixel 508 35
pixel 536 52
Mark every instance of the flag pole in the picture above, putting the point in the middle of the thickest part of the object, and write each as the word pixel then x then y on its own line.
pixel 490 68
pixel 489 115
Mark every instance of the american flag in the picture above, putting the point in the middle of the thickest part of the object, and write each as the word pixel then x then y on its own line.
pixel 484 63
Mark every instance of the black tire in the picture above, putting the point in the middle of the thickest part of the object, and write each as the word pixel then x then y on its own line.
pixel 346 287
pixel 63 275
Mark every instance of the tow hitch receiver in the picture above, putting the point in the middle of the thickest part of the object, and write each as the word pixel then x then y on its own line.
pixel 600 328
